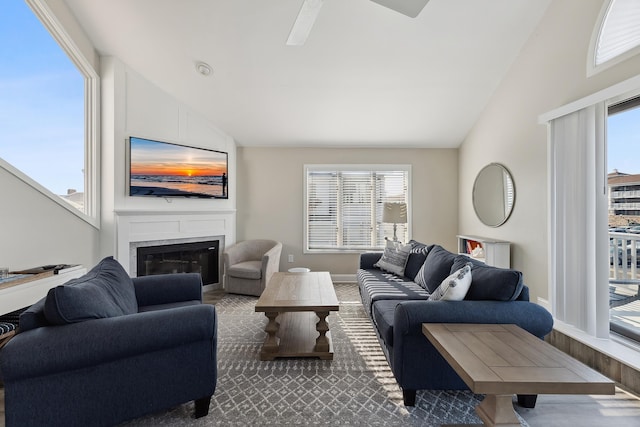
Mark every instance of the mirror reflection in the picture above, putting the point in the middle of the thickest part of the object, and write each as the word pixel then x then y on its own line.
pixel 494 195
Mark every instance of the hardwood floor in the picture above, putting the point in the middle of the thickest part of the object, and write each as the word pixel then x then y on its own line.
pixel 619 410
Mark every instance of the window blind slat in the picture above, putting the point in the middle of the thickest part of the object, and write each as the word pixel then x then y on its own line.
pixel 322 210
pixel 620 30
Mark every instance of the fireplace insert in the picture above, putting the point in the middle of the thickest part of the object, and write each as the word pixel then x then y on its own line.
pixel 196 257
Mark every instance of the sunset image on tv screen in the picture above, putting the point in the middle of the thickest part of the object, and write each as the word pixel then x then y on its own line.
pixel 163 169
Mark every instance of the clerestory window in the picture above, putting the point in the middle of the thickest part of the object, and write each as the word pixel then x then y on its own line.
pixel 344 205
pixel 48 108
pixel 617 36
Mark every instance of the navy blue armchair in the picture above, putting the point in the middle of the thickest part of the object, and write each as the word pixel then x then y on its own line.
pixel 78 361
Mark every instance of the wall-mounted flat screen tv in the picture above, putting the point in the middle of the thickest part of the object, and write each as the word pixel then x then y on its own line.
pixel 163 169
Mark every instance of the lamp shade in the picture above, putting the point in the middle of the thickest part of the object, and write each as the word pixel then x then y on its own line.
pixel 394 212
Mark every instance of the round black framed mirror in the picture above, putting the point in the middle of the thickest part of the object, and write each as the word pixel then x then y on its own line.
pixel 494 195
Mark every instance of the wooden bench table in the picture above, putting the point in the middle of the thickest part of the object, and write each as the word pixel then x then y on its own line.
pixel 502 360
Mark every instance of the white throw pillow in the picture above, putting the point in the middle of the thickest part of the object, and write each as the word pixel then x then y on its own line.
pixel 454 287
pixel 394 258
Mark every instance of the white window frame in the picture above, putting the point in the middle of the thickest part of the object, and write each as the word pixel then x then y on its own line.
pixel 624 90
pixel 350 167
pixel 91 212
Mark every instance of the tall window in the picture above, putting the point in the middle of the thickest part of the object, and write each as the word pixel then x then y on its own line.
pixel 344 205
pixel 623 148
pixel 48 107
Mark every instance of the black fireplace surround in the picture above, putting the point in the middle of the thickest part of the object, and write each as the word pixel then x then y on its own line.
pixel 196 257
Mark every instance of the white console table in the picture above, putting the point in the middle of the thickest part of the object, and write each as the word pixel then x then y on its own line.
pixel 497 253
pixel 22 295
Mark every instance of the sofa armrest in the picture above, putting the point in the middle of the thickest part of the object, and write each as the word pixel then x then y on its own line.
pixel 367 259
pixel 416 363
pixel 410 315
pixel 85 344
pixel 168 288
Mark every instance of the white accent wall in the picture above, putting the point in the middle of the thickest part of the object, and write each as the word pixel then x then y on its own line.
pixel 133 106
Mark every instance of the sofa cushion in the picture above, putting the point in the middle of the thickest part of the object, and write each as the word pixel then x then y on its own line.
pixel 105 291
pixel 454 287
pixel 417 256
pixel 490 283
pixel 436 268
pixel 376 285
pixel 246 270
pixel 382 313
pixel 394 258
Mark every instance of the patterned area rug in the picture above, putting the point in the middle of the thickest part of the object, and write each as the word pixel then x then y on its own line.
pixel 357 388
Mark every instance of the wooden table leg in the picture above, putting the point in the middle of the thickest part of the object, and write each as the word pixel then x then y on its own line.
pixel 322 342
pixel 272 342
pixel 497 410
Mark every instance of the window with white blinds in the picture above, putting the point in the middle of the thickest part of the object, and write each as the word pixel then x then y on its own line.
pixel 344 205
pixel 616 35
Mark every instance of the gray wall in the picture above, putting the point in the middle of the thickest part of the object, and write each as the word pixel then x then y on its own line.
pixel 270 196
pixel 549 72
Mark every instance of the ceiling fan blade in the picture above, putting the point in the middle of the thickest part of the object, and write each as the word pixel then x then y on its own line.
pixel 411 8
pixel 304 22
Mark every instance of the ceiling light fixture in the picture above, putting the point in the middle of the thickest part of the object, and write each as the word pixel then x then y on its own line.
pixel 304 22
pixel 204 68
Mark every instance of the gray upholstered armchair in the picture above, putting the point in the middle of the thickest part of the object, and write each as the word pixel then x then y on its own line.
pixel 249 265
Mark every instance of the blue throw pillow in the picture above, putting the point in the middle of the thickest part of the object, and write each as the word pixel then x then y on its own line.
pixel 417 256
pixel 435 269
pixel 394 258
pixel 105 291
pixel 490 283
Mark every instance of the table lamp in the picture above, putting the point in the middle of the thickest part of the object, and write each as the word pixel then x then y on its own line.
pixel 396 213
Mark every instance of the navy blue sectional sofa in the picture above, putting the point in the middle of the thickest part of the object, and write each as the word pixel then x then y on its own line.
pixel 105 348
pixel 398 305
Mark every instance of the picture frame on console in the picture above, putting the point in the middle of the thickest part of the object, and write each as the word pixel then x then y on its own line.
pixel 166 169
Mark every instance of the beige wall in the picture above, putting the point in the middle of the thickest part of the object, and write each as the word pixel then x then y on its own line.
pixel 270 197
pixel 549 72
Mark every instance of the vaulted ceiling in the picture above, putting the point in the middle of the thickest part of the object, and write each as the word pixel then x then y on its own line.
pixel 367 76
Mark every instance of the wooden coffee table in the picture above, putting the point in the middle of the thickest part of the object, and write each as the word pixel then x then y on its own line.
pixel 301 303
pixel 502 360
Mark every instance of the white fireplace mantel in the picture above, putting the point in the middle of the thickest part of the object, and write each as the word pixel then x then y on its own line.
pixel 146 225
